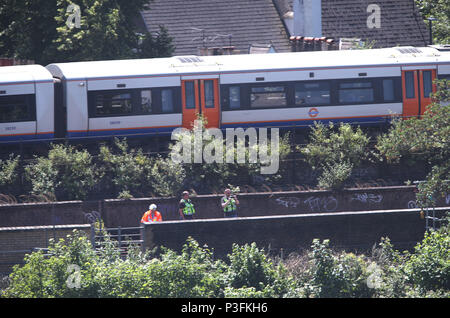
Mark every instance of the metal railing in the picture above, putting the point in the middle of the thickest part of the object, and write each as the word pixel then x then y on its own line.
pixel 122 237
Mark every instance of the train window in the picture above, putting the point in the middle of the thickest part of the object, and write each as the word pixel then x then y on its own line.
pixel 388 90
pixel 268 96
pixel 427 84
pixel 356 92
pixel 146 101
pixel 15 108
pixel 317 93
pixel 113 103
pixel 235 97
pixel 409 84
pixel 209 94
pixel 167 100
pixel 189 90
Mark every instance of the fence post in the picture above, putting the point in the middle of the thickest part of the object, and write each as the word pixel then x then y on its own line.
pixel 93 235
pixel 142 226
pixel 119 234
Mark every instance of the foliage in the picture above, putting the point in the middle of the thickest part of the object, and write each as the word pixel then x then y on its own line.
pixel 28 29
pixel 341 275
pixel 72 268
pixel 335 152
pixel 37 30
pixel 167 177
pixel 43 177
pixel 8 171
pixel 220 162
pixel 159 45
pixel 66 173
pixel 429 267
pixel 440 10
pixel 335 175
pixel 127 169
pixel 425 139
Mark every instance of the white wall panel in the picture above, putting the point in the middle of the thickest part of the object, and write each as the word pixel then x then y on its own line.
pixel 139 82
pixel 121 122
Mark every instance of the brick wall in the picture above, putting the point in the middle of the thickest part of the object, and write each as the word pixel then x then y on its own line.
pixel 15 242
pixel 56 213
pixel 127 213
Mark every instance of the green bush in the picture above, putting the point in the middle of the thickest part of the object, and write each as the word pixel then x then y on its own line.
pixel 167 177
pixel 127 169
pixel 8 171
pixel 335 175
pixel 330 275
pixel 66 173
pixel 428 269
pixel 335 152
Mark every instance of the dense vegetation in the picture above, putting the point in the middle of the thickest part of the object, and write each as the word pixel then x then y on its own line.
pixel 75 269
pixel 47 31
pixel 439 10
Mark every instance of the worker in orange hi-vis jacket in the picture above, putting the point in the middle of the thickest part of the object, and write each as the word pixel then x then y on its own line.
pixel 151 215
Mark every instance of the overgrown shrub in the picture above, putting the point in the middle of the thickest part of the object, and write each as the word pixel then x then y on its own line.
pixel 67 173
pixel 335 152
pixel 8 172
pixel 167 177
pixel 126 169
pixel 428 269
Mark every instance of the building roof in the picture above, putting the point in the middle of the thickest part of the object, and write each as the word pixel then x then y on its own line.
pixel 196 23
pixel 401 22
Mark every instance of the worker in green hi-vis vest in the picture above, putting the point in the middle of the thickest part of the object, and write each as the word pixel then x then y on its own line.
pixel 186 207
pixel 229 204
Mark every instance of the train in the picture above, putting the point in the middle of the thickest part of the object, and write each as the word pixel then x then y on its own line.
pixel 142 97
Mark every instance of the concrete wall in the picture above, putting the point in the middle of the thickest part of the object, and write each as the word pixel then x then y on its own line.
pixel 127 213
pixel 15 242
pixel 357 231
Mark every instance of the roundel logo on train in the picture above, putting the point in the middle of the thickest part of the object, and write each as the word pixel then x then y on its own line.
pixel 313 112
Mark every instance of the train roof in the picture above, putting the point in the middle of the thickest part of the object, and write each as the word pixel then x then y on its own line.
pixel 24 74
pixel 187 65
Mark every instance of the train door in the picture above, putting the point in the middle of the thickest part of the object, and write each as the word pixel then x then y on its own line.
pixel 417 88
pixel 200 96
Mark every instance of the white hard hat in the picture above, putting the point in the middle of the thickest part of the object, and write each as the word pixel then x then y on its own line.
pixel 152 207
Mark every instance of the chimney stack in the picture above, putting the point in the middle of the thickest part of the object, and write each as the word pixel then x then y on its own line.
pixel 308 18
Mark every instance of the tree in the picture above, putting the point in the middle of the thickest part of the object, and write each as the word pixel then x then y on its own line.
pixel 440 10
pixel 28 29
pixel 39 30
